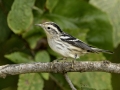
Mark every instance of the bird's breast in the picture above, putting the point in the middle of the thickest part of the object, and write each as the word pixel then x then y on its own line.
pixel 64 49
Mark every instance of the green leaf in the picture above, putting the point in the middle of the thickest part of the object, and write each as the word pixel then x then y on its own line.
pixel 42 56
pixel 93 80
pixel 9 83
pixel 111 7
pixel 32 37
pixel 45 75
pixel 31 81
pixel 19 57
pixel 13 44
pixel 20 17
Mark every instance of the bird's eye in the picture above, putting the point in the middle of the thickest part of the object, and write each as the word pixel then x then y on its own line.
pixel 48 27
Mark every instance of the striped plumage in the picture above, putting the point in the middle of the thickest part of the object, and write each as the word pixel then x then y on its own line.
pixel 65 44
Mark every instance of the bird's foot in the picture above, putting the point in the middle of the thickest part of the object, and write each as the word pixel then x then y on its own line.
pixel 73 62
pixel 53 62
pixel 57 60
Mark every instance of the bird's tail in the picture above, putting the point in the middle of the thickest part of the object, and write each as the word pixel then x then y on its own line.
pixel 101 50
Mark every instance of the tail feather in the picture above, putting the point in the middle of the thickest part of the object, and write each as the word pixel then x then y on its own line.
pixel 101 50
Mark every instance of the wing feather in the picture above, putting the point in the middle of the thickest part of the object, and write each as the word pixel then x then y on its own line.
pixel 76 42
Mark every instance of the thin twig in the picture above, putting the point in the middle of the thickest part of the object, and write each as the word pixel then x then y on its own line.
pixel 38 9
pixel 69 81
pixel 58 83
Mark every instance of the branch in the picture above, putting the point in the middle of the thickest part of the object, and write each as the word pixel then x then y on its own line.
pixel 59 67
pixel 69 81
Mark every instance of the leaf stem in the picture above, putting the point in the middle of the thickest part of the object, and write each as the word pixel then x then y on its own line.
pixel 38 9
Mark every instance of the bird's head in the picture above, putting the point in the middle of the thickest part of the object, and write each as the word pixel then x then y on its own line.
pixel 50 28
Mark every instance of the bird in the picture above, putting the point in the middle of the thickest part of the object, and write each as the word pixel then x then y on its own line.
pixel 65 44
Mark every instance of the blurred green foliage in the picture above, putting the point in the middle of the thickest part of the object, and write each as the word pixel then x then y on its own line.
pixel 96 22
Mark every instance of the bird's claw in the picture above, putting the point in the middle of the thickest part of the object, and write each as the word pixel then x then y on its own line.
pixel 53 62
pixel 73 62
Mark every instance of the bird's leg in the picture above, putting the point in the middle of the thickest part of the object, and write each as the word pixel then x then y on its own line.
pixel 73 61
pixel 56 60
pixel 64 60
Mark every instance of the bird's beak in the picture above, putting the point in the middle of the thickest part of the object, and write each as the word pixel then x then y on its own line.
pixel 39 25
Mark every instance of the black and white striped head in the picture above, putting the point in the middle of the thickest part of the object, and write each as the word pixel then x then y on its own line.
pixel 51 28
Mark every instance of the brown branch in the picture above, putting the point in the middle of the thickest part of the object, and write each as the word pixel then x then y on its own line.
pixel 59 67
pixel 57 82
pixel 69 82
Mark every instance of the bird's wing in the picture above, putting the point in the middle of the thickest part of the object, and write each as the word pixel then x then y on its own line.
pixel 76 42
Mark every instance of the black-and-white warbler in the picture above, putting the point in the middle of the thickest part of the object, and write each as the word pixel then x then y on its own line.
pixel 65 44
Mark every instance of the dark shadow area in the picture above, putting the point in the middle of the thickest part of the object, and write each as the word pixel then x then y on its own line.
pixel 115 79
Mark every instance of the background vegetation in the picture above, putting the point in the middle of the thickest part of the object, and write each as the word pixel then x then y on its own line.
pixel 96 22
